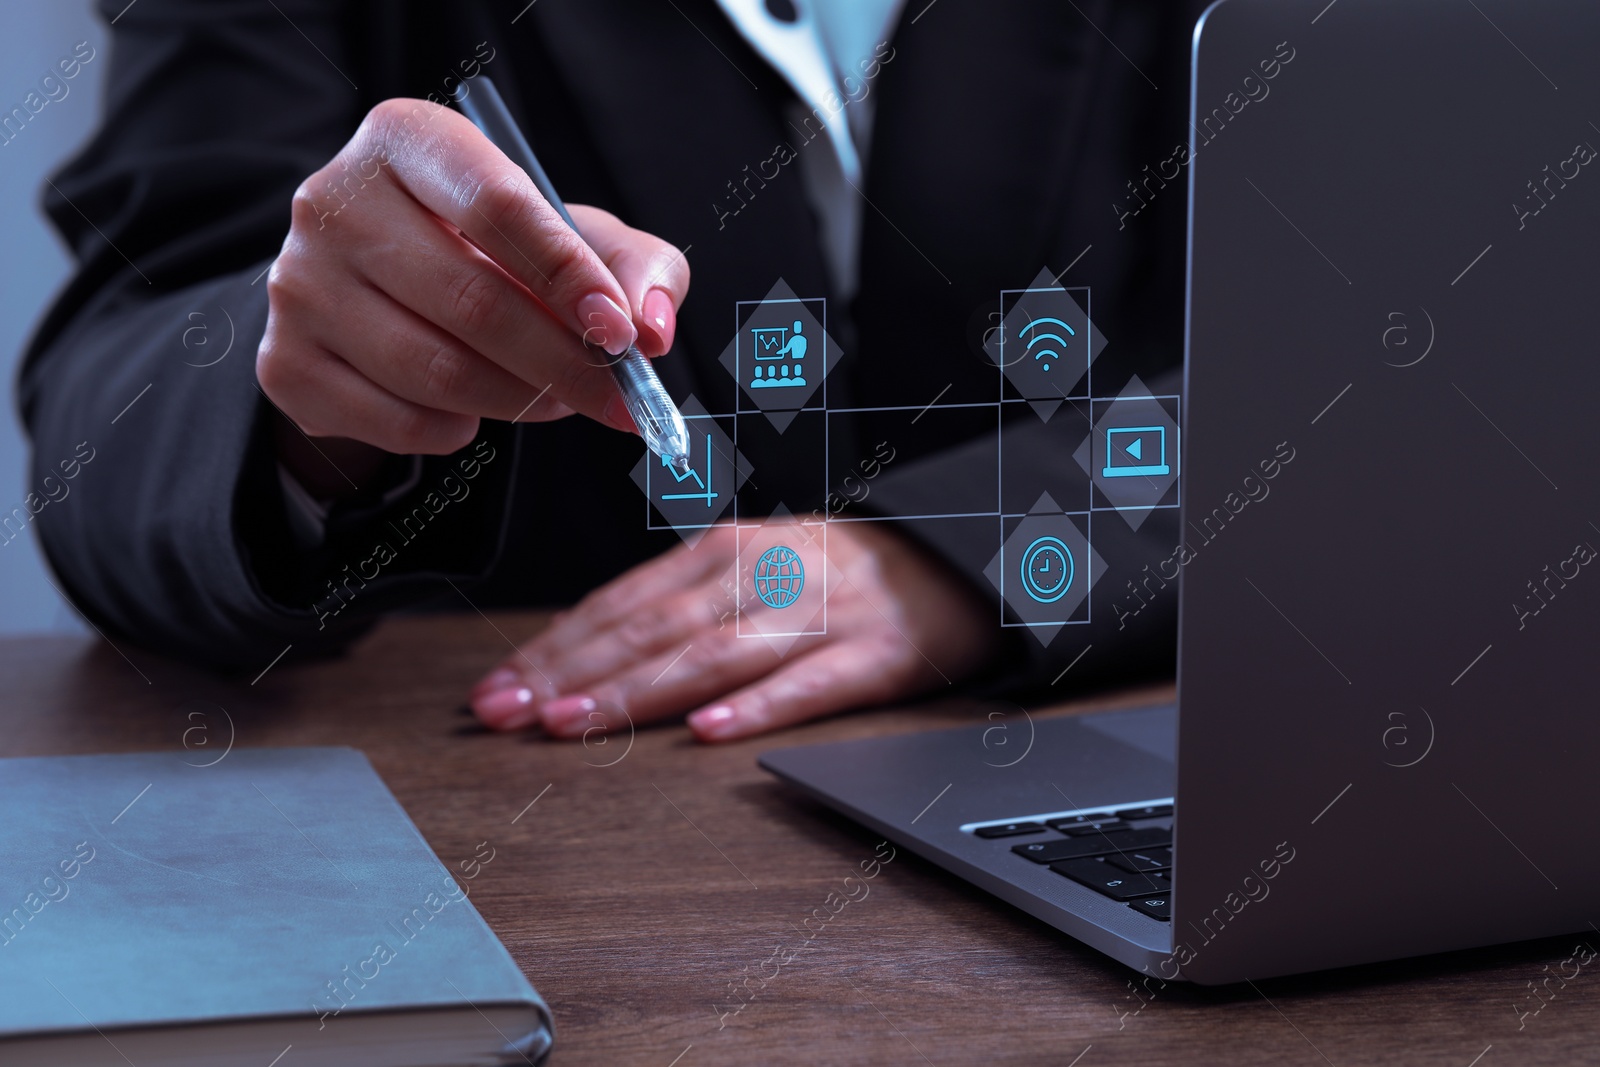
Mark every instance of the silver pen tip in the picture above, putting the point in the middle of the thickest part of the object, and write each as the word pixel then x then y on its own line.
pixel 682 463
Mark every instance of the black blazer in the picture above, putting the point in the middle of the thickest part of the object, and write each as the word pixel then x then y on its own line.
pixel 1007 134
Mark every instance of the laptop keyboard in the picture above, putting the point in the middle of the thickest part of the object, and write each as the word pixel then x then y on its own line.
pixel 1125 853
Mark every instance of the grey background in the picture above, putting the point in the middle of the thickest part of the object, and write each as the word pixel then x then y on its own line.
pixel 33 262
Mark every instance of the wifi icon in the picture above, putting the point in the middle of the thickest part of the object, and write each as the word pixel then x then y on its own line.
pixel 1051 345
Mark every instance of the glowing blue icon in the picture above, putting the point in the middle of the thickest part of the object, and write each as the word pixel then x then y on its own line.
pixel 1052 345
pixel 774 344
pixel 705 492
pixel 780 576
pixel 1136 451
pixel 1047 569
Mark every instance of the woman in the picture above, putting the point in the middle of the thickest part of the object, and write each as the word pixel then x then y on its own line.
pixel 427 412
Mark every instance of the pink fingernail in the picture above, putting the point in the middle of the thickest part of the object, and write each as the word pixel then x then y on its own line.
pixel 562 714
pixel 717 723
pixel 495 680
pixel 660 319
pixel 606 324
pixel 506 709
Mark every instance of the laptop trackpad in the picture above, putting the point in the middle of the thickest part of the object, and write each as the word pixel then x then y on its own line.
pixel 1150 730
pixel 983 773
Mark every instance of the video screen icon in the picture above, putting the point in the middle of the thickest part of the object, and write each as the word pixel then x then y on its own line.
pixel 1136 452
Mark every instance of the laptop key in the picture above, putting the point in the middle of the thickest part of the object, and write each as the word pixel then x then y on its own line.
pixel 1079 820
pixel 1149 811
pixel 1010 829
pixel 1104 878
pixel 1077 848
pixel 1149 859
pixel 1155 907
pixel 1103 826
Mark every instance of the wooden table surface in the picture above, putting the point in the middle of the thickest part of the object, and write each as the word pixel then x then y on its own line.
pixel 651 876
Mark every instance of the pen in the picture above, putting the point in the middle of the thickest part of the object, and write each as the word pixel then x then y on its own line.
pixel 658 418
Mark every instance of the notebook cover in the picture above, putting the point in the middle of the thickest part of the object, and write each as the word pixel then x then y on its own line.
pixel 146 890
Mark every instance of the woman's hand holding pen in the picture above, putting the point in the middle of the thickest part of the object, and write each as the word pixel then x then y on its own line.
pixel 662 640
pixel 425 284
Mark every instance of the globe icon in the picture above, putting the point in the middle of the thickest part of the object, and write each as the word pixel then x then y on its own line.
pixel 779 576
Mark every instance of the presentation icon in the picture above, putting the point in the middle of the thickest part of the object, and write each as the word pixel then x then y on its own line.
pixel 1047 569
pixel 780 576
pixel 1136 452
pixel 779 356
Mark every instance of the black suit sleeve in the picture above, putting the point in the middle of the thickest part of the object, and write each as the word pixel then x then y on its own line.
pixel 174 533
pixel 1130 635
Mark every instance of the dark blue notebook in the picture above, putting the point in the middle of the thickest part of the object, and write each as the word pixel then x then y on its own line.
pixel 278 903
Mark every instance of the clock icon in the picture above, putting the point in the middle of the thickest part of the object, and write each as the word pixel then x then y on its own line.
pixel 1047 570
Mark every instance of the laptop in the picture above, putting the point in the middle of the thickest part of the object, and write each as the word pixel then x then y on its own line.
pixel 1386 721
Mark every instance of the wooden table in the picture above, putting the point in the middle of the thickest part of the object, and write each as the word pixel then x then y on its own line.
pixel 637 882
